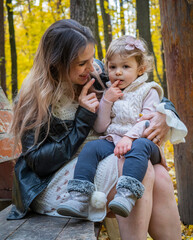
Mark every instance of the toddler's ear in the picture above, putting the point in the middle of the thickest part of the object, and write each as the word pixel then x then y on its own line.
pixel 141 71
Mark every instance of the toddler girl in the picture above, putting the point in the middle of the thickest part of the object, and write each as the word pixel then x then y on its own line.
pixel 128 96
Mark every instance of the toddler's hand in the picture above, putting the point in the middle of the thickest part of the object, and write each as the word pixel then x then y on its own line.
pixel 123 146
pixel 113 93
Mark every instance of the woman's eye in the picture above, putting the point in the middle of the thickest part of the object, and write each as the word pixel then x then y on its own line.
pixel 81 64
pixel 126 66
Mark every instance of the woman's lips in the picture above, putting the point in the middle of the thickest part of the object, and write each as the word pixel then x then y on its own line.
pixel 84 76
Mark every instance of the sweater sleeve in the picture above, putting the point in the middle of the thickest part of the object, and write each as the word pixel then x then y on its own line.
pixel 149 105
pixel 169 106
pixel 103 116
pixel 47 157
pixel 178 130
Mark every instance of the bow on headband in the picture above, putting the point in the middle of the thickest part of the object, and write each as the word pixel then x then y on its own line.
pixel 132 43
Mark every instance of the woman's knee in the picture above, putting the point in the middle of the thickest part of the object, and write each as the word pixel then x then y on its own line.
pixel 150 172
pixel 162 178
pixel 149 178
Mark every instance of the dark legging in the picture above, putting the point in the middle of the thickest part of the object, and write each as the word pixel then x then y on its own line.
pixel 136 160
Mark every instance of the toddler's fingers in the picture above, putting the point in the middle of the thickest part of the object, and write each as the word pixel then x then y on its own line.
pixel 115 84
pixel 115 151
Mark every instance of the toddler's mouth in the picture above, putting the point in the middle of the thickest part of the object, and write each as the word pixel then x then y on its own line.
pixel 121 81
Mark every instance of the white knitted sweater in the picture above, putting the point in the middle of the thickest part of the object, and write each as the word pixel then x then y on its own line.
pixel 126 110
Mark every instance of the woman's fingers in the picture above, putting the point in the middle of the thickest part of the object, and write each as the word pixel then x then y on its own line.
pixel 158 128
pixel 148 116
pixel 91 104
pixel 88 101
pixel 86 88
pixel 155 136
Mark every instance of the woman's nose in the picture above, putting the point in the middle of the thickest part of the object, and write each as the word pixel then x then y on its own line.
pixel 91 67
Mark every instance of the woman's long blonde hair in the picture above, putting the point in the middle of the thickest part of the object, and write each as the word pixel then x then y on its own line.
pixel 49 78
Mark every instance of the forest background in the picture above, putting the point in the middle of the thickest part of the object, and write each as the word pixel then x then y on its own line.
pixel 32 17
pixel 23 22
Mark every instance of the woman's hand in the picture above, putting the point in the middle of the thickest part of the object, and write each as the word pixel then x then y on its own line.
pixel 158 127
pixel 90 101
pixel 113 93
pixel 123 146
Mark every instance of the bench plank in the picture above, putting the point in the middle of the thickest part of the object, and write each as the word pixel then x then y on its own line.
pixel 36 227
pixel 8 227
pixel 39 227
pixel 78 230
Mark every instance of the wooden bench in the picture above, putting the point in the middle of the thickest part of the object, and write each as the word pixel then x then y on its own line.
pixel 40 227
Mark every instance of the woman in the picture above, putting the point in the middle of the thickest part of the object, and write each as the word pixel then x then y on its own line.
pixel 53 115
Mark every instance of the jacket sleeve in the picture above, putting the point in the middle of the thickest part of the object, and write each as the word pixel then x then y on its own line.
pixel 48 156
pixel 169 105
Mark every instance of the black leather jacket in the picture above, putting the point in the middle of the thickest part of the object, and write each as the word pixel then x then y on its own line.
pixel 36 164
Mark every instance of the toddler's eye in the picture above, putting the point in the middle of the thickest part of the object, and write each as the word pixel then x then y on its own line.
pixel 112 67
pixel 126 66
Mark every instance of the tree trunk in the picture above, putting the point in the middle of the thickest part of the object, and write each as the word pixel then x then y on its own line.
pixel 122 17
pixel 143 24
pixel 164 81
pixel 97 36
pixel 83 12
pixel 13 48
pixel 2 49
pixel 177 31
pixel 106 24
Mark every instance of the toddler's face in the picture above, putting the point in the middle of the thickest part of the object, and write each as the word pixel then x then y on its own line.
pixel 123 69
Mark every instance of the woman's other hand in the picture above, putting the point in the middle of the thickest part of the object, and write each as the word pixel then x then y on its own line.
pixel 88 101
pixel 158 127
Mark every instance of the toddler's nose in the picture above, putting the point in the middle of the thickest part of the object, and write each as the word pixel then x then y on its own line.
pixel 118 72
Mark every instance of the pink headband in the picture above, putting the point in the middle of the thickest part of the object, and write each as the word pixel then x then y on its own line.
pixel 131 44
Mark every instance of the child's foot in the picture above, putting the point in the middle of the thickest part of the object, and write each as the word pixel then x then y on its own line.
pixel 129 189
pixel 123 202
pixel 76 206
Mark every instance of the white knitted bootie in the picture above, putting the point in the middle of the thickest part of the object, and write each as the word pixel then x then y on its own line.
pixel 77 205
pixel 128 191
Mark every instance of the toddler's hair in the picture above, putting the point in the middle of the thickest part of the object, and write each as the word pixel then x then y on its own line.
pixel 125 46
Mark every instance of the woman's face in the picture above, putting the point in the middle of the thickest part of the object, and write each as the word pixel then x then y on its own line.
pixel 81 67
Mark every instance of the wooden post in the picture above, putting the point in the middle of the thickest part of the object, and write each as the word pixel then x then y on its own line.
pixel 177 32
pixel 7 159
